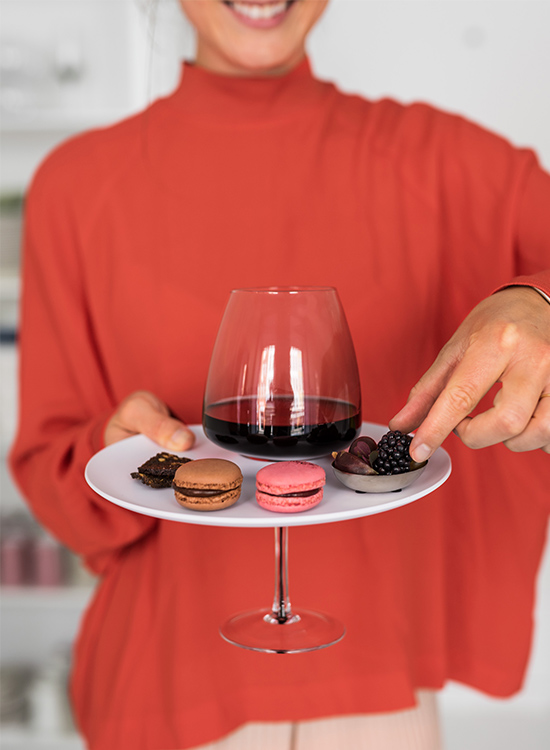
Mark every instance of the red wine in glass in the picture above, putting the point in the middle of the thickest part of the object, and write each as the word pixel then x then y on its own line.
pixel 323 425
pixel 283 382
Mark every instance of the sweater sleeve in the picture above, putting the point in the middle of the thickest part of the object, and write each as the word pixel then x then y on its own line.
pixel 64 394
pixel 533 231
pixel 497 196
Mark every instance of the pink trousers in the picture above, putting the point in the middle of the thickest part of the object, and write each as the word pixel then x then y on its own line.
pixel 413 729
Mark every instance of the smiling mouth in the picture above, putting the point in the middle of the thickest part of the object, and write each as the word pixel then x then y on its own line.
pixel 259 11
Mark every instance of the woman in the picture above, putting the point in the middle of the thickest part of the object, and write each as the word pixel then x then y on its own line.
pixel 253 173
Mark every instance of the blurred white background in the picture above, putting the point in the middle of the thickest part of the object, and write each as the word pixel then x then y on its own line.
pixel 68 65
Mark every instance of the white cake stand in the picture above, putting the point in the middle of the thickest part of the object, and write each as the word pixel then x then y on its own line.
pixel 280 629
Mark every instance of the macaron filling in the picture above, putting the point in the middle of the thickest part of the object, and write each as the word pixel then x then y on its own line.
pixel 195 492
pixel 304 493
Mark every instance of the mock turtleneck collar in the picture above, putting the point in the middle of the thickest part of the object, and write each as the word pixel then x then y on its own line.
pixel 210 96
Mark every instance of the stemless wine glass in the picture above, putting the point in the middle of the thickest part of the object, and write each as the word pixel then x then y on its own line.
pixel 283 380
pixel 283 384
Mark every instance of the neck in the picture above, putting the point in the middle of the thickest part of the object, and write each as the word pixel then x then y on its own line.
pixel 210 59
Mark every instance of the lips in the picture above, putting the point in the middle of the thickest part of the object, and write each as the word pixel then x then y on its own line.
pixel 260 15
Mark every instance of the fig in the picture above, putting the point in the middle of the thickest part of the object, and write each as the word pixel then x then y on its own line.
pixel 362 447
pixel 345 461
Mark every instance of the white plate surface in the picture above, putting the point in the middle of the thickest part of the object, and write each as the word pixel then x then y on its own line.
pixel 108 474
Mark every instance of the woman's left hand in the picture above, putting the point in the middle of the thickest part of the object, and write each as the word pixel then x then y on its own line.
pixel 505 339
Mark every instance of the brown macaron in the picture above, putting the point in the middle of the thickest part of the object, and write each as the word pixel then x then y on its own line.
pixel 208 484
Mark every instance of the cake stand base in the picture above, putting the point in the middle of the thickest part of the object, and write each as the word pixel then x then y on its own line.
pixel 261 630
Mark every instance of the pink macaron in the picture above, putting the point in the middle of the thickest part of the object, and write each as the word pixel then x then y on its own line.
pixel 290 486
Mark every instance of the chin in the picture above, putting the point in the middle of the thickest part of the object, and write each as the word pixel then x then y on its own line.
pixel 263 59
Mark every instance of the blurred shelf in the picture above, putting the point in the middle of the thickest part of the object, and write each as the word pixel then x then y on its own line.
pixel 24 739
pixel 39 622
pixel 10 283
pixel 40 597
pixel 56 122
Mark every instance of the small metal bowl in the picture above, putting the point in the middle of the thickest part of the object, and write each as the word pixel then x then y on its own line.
pixel 378 482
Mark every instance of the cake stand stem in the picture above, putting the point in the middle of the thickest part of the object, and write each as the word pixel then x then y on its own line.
pixel 282 631
pixel 281 611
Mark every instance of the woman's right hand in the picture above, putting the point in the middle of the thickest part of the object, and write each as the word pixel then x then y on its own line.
pixel 143 413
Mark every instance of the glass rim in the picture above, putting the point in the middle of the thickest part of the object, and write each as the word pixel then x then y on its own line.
pixel 283 289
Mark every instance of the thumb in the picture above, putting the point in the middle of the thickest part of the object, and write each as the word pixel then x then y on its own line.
pixel 143 413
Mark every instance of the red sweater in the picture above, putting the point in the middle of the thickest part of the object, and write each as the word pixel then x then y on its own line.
pixel 135 235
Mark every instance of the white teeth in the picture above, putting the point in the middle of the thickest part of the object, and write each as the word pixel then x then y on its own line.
pixel 256 12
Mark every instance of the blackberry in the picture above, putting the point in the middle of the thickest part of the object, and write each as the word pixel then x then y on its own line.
pixel 393 453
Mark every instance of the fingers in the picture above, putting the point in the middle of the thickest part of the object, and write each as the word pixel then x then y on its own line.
pixel 537 432
pixel 484 362
pixel 424 394
pixel 504 339
pixel 143 413
pixel 512 411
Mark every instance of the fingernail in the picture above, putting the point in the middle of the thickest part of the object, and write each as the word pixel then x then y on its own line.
pixel 421 452
pixel 179 440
